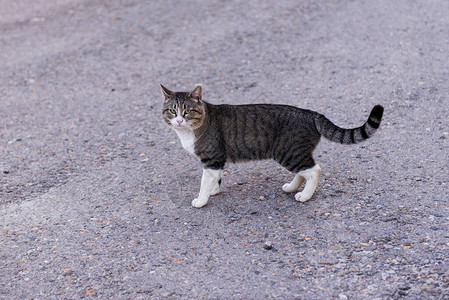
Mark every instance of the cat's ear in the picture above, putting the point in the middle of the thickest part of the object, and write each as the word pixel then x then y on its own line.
pixel 196 93
pixel 167 93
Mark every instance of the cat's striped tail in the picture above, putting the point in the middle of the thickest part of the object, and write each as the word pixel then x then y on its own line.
pixel 350 136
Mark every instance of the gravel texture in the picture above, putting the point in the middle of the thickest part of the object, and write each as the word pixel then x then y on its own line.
pixel 95 191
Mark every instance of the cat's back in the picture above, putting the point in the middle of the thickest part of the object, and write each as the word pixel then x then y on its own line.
pixel 260 114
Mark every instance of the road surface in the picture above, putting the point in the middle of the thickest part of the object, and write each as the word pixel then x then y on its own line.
pixel 95 190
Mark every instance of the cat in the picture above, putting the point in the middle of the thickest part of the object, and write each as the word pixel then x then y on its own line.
pixel 217 134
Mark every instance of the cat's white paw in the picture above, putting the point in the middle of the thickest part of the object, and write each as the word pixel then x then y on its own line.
pixel 289 188
pixel 197 203
pixel 301 197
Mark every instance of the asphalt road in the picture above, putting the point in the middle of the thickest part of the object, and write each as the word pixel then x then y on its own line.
pixel 95 190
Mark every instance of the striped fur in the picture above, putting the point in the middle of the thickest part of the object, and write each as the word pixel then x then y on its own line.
pixel 350 136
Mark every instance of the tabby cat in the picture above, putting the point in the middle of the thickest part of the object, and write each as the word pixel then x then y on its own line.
pixel 220 133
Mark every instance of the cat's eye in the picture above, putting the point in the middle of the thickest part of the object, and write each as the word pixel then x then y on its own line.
pixel 172 111
pixel 187 111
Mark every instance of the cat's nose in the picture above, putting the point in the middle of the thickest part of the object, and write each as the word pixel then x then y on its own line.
pixel 179 121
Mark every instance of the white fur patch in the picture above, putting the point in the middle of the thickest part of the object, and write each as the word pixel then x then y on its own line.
pixel 187 138
pixel 311 176
pixel 216 188
pixel 294 185
pixel 208 183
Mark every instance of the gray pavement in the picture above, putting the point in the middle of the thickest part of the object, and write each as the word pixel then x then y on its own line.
pixel 95 191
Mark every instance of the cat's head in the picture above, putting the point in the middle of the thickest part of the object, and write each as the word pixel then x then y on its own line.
pixel 183 110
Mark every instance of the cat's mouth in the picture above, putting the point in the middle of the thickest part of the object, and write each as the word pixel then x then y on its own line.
pixel 181 126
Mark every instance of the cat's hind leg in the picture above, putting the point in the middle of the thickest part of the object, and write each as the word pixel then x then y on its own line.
pixel 208 182
pixel 311 176
pixel 293 186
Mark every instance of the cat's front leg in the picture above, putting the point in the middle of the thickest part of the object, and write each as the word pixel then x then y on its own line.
pixel 208 182
pixel 216 188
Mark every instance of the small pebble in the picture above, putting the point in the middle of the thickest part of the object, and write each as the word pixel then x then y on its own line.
pixel 268 246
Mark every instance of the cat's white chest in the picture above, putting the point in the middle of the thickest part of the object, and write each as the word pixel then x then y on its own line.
pixel 187 138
